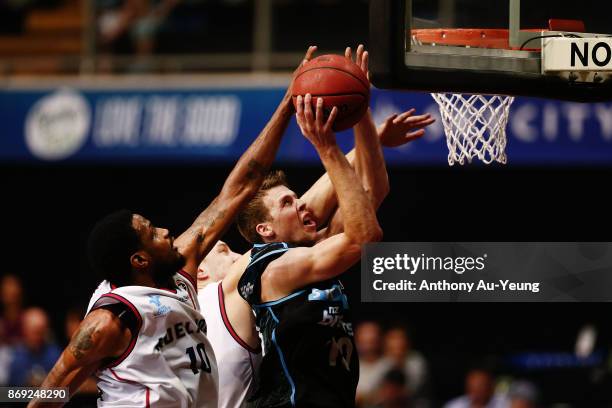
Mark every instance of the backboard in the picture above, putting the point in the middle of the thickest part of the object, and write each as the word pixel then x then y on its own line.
pixel 541 48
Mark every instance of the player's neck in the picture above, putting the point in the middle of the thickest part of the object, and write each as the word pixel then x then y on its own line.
pixel 143 279
pixel 274 241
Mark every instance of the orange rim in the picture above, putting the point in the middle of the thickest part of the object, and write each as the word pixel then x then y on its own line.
pixel 467 37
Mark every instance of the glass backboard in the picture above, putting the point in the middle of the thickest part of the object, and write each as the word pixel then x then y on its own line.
pixel 543 48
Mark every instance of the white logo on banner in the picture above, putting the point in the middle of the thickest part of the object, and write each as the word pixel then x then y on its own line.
pixel 211 121
pixel 166 121
pixel 56 126
pixel 531 121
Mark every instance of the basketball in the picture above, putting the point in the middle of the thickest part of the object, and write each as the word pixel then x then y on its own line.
pixel 340 82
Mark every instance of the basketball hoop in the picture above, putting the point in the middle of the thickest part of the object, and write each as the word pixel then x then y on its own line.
pixel 475 125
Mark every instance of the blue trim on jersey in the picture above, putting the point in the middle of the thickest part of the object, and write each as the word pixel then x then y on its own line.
pixel 285 368
pixel 273 315
pixel 266 255
pixel 281 300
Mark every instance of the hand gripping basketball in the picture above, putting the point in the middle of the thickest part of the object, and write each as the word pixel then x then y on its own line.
pixel 340 83
pixel 314 127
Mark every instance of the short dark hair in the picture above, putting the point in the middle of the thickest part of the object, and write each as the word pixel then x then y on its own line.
pixel 255 211
pixel 111 243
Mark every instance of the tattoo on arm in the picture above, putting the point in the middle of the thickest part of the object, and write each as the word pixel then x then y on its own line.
pixel 82 341
pixel 199 234
pixel 196 231
pixel 56 375
pixel 206 222
pixel 211 221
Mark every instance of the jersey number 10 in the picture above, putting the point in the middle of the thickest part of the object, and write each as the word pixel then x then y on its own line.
pixel 201 355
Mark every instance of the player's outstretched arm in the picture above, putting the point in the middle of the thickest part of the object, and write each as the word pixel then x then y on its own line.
pixel 330 257
pixel 100 335
pixel 239 187
pixel 397 130
pixel 369 160
pixel 367 156
pixel 352 199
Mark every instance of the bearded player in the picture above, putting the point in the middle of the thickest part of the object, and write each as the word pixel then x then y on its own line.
pixel 143 335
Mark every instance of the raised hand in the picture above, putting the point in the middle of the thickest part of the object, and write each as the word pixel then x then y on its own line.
pixel 361 58
pixel 309 52
pixel 403 128
pixel 307 57
pixel 313 127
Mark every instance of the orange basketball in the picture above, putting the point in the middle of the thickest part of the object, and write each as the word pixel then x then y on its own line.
pixel 340 82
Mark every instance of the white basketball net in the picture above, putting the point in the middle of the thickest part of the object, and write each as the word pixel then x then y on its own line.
pixel 475 126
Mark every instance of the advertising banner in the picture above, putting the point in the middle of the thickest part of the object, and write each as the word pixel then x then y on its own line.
pixel 217 124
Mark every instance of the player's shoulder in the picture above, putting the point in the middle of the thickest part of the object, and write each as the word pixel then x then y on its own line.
pixel 184 276
pixel 105 321
pixel 104 332
pixel 262 255
pixel 102 316
pixel 263 251
pixel 292 259
pixel 249 284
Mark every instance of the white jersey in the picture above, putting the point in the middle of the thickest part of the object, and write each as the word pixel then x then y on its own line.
pixel 170 362
pixel 238 363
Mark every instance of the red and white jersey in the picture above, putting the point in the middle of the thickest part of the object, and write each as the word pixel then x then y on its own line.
pixel 238 363
pixel 170 362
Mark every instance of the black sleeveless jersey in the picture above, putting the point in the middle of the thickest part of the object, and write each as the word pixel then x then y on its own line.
pixel 309 352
